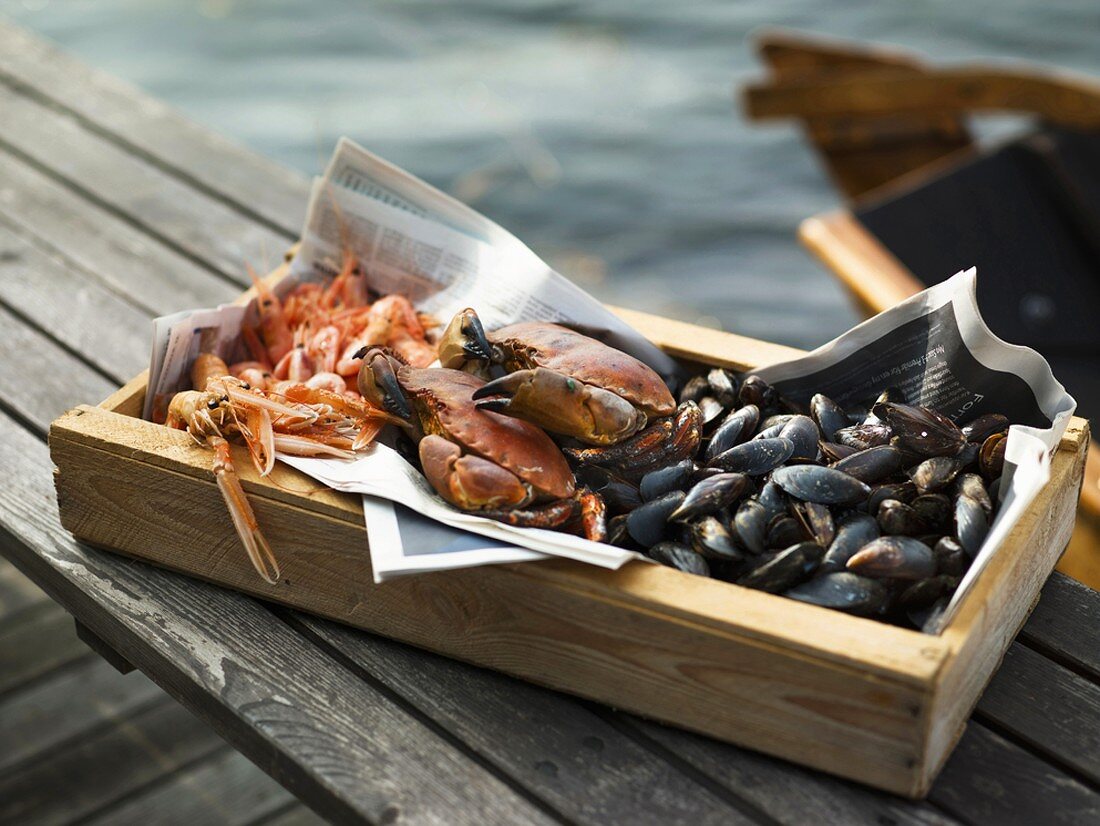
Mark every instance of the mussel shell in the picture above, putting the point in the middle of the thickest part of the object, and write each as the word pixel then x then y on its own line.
pixel 784 570
pixel 768 431
pixel 853 533
pixel 754 390
pixel 681 557
pixel 712 410
pixel 835 451
pixel 803 432
pixel 816 522
pixel 826 485
pixel 843 591
pixel 899 519
pixel 737 427
pixel 664 479
pixel 617 534
pixel 903 492
pixel 710 495
pixel 751 526
pixel 950 557
pixel 991 458
pixel 921 430
pixel 829 415
pixel 648 523
pixel 772 497
pixel 777 420
pixel 927 619
pixel 896 557
pixel 710 538
pixel 755 457
pixel 784 531
pixel 723 386
pixel 873 464
pixel 971 524
pixel 694 389
pixel 935 510
pixel 972 485
pixel 925 592
pixel 985 426
pixel 863 436
pixel 935 473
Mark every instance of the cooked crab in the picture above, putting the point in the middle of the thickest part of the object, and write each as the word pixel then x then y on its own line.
pixel 557 378
pixel 476 459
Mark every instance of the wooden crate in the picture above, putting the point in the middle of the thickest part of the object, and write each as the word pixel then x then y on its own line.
pixel 846 695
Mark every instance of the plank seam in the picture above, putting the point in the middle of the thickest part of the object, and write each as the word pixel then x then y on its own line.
pixel 25 89
pixel 1067 661
pixel 414 711
pixel 118 213
pixel 1033 748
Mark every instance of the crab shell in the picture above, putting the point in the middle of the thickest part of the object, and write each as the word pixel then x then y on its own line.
pixel 541 344
pixel 445 407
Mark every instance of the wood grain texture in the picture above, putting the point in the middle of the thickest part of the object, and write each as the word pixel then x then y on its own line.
pixel 152 131
pixel 112 763
pixel 584 767
pixel 991 780
pixel 1058 97
pixel 1063 625
pixel 35 643
pixel 307 732
pixel 1048 707
pixel 73 702
pixel 195 225
pixel 224 790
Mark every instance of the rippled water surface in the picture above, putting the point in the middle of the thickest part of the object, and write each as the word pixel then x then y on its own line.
pixel 604 134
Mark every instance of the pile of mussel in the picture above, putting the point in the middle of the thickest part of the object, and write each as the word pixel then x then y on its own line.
pixel 877 512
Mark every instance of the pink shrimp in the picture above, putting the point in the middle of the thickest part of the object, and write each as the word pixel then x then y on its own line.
pixel 387 314
pixel 274 329
pixel 328 380
pixel 295 366
pixel 324 348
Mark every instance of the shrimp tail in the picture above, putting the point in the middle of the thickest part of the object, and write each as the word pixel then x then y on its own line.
pixel 240 511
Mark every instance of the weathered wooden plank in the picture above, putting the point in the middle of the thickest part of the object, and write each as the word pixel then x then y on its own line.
pixel 146 126
pixel 102 768
pixel 296 815
pixel 1054 711
pixel 35 643
pixel 1064 626
pixel 990 780
pixel 67 705
pixel 221 790
pixel 782 791
pixel 103 328
pixel 582 766
pixel 16 591
pixel 100 646
pixel 195 225
pixel 38 379
pixel 95 241
pixel 320 730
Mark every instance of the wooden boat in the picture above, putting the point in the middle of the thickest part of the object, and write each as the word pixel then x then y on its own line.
pixel 925 200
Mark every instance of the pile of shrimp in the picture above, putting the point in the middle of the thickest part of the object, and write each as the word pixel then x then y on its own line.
pixel 312 336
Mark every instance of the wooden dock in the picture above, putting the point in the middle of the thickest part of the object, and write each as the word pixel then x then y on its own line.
pixel 113 209
pixel 82 742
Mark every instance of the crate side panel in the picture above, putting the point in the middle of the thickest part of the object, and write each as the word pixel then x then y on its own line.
pixel 1003 596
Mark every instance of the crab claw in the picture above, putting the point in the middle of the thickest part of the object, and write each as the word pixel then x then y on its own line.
pixel 562 405
pixel 470 482
pixel 464 345
pixel 379 385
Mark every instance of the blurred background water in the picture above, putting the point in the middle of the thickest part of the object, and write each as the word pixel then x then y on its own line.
pixel 606 135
